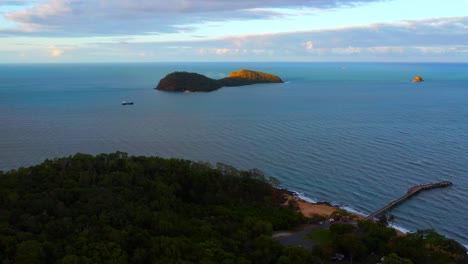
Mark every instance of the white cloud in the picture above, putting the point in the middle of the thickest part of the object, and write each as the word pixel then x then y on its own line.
pixel 309 45
pixel 387 41
pixel 136 17
pixel 347 50
pixel 239 41
pixel 42 12
pixel 39 12
pixel 386 49
pixel 430 40
pixel 222 51
pixel 438 50
pixel 55 51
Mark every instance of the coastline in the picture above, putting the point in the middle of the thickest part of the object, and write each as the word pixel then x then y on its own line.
pixel 308 208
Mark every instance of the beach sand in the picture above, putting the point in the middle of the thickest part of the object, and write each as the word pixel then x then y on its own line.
pixel 308 209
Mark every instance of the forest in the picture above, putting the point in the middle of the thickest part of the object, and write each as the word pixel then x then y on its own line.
pixel 116 208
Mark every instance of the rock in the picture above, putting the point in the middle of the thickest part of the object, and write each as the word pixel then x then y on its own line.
pixel 194 82
pixel 418 78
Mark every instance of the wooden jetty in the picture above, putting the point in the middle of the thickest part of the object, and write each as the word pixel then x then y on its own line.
pixel 412 191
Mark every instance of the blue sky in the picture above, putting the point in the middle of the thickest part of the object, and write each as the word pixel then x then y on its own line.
pixel 242 30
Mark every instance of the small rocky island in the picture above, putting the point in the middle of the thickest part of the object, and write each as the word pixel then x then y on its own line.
pixel 194 82
pixel 418 78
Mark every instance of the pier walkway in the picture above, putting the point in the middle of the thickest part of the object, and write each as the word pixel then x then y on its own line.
pixel 412 191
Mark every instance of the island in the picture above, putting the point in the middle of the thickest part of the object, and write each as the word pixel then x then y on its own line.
pixel 418 78
pixel 194 82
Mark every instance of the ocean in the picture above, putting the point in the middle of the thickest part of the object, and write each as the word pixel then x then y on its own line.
pixel 358 135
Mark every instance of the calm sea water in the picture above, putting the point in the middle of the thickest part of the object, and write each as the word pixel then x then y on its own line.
pixel 357 135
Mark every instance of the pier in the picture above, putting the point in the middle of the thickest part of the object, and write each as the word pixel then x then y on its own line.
pixel 412 191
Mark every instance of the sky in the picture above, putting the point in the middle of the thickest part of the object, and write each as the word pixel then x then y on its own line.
pixel 33 31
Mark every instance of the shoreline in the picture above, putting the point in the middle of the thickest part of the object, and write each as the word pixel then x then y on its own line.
pixel 309 208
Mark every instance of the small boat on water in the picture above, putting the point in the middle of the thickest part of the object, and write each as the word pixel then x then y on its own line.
pixel 127 103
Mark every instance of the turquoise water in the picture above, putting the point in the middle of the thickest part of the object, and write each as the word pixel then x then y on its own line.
pixel 357 135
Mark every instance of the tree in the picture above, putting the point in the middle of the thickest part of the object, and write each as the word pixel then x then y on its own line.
pixel 351 244
pixel 341 229
pixel 395 259
pixel 411 247
pixel 383 220
pixel 29 252
pixel 296 255
pixel 113 208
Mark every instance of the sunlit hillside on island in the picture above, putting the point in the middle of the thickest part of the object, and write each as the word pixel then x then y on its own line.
pixel 202 131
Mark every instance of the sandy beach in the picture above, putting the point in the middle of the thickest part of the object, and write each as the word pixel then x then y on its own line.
pixel 308 209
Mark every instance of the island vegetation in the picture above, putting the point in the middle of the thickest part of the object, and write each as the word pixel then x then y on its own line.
pixel 115 208
pixel 194 82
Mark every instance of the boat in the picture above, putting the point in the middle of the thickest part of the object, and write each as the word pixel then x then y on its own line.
pixel 127 103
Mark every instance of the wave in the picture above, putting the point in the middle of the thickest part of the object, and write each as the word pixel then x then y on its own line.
pixel 349 209
pixel 303 197
pixel 352 210
pixel 420 162
pixel 400 228
pixel 332 203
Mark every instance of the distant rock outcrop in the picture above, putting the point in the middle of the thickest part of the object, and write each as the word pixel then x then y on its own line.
pixel 418 78
pixel 194 82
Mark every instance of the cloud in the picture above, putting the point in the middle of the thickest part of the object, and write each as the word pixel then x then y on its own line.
pixel 443 39
pixel 58 51
pixel 436 50
pixel 55 52
pixel 386 49
pixel 408 40
pixel 222 51
pixel 347 50
pixel 374 40
pixel 137 17
pixel 309 45
pixel 217 51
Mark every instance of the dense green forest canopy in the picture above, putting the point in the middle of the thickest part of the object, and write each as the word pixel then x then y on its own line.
pixel 114 208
